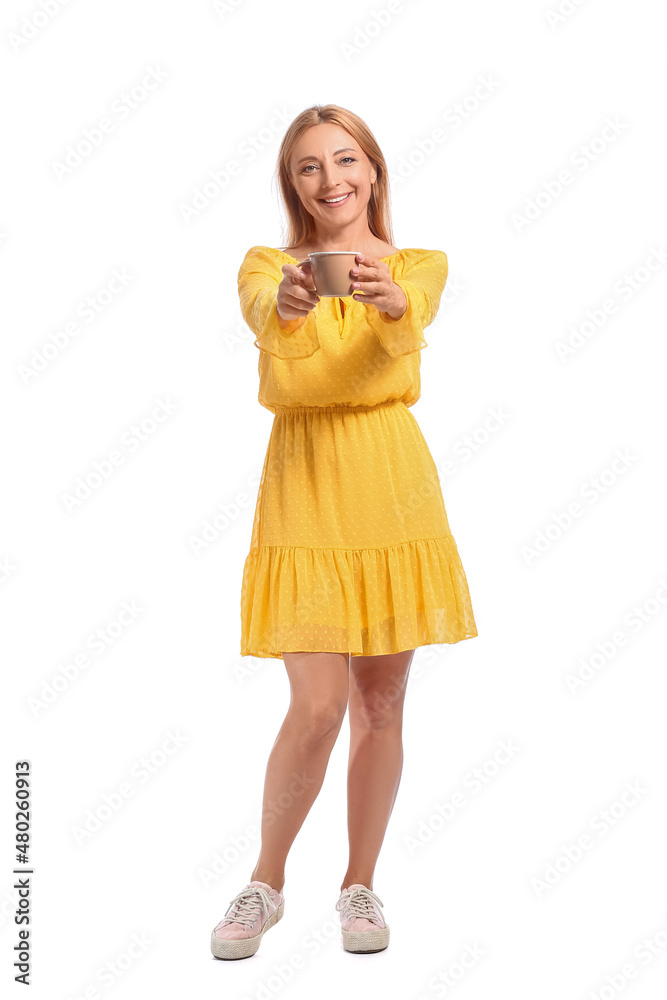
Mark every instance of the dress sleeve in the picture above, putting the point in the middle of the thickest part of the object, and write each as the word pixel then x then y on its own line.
pixel 258 282
pixel 423 280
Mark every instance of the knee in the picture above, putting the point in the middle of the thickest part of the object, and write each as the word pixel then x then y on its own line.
pixel 379 708
pixel 375 715
pixel 320 720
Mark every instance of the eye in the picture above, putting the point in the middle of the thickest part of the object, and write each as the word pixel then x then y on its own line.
pixel 306 170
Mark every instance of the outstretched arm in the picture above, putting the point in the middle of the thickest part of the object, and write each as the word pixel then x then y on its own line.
pixel 399 309
pixel 258 283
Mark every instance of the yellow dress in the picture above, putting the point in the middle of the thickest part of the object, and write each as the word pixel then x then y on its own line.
pixel 351 549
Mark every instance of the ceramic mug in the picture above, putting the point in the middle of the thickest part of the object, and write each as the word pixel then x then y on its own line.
pixel 331 271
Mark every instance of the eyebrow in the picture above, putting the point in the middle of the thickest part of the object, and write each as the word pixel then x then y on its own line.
pixel 347 149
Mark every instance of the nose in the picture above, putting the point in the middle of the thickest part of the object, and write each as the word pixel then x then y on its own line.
pixel 329 180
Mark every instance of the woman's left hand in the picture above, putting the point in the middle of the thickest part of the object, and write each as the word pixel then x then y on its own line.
pixel 373 277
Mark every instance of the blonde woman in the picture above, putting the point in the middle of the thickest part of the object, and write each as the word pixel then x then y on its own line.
pixel 352 564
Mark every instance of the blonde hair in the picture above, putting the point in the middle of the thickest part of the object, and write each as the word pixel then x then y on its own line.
pixel 300 226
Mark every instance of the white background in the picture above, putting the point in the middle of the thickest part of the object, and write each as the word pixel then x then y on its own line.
pixel 520 282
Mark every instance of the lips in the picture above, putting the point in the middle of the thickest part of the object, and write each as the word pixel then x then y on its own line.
pixel 334 203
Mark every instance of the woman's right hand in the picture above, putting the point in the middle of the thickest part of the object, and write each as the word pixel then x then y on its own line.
pixel 297 294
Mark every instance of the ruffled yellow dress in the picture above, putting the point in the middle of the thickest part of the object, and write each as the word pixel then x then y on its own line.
pixel 351 550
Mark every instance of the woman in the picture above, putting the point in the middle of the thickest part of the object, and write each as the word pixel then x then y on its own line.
pixel 352 564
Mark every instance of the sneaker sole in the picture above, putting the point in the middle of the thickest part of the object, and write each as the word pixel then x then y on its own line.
pixel 243 947
pixel 365 942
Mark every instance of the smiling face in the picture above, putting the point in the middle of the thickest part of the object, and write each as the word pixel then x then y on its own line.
pixel 332 176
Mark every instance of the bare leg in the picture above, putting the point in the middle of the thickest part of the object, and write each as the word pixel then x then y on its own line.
pixel 298 761
pixel 376 697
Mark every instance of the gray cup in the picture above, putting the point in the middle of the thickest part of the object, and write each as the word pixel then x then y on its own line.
pixel 331 271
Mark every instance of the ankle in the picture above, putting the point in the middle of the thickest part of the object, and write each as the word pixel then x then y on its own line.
pixel 276 882
pixel 356 880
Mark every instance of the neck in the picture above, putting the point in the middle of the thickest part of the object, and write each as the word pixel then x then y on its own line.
pixel 348 237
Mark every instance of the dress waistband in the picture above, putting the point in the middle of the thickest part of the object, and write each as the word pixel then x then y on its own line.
pixel 334 407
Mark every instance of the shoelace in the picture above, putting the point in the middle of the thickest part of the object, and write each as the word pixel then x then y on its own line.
pixel 249 904
pixel 359 903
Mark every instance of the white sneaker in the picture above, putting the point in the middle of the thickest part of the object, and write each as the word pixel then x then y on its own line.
pixel 250 913
pixel 362 923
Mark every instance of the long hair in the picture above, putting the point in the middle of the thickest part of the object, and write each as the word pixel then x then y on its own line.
pixel 300 224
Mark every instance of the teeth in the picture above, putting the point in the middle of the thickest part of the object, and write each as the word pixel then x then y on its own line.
pixel 332 201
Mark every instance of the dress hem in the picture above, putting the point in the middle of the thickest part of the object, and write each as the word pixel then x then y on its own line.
pixel 358 601
pixel 278 656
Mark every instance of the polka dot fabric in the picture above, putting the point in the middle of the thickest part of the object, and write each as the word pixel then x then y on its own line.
pixel 351 549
